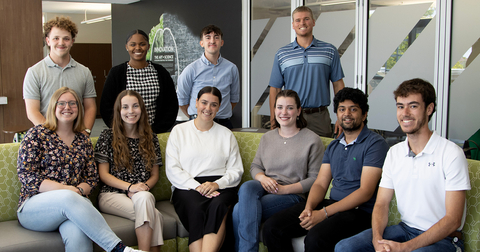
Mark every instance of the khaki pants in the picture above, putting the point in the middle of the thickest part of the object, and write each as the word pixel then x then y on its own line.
pixel 141 209
pixel 320 123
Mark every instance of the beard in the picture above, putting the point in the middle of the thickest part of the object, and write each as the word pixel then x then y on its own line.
pixel 420 124
pixel 353 127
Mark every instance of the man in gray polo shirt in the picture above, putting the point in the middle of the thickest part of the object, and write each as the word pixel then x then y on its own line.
pixel 58 70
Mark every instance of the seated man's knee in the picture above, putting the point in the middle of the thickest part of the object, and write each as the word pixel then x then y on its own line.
pixel 271 233
pixel 359 242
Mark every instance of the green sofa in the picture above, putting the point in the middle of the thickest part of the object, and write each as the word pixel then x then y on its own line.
pixel 15 238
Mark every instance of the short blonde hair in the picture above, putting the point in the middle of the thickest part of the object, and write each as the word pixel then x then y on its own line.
pixel 303 9
pixel 51 118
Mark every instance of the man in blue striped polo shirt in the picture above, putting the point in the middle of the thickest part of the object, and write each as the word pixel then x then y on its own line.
pixel 307 65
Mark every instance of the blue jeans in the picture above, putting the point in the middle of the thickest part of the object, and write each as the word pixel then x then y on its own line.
pixel 254 206
pixel 74 216
pixel 399 233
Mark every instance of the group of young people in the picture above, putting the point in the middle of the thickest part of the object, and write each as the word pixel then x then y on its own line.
pixel 291 171
pixel 58 166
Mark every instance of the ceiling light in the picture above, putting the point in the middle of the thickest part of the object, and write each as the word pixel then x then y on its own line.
pixel 95 20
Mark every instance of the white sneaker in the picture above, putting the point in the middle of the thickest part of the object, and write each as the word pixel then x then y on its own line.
pixel 128 249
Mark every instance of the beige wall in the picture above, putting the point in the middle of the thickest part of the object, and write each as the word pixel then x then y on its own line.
pixel 99 33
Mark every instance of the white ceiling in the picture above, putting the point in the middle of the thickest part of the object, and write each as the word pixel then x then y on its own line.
pixel 77 6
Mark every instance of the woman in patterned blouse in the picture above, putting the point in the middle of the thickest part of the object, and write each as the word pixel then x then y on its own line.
pixel 129 156
pixel 57 170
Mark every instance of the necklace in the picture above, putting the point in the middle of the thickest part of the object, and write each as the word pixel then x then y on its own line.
pixel 285 138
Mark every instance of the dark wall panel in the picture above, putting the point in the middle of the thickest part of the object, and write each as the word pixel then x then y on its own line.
pixel 185 18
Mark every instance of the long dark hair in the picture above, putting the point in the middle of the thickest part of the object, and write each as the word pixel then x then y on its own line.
pixel 121 151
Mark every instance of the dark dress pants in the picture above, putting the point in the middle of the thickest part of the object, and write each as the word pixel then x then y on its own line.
pixel 285 225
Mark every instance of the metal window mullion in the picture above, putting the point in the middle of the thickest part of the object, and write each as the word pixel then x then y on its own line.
pixel 246 60
pixel 361 22
pixel 442 65
pixel 293 5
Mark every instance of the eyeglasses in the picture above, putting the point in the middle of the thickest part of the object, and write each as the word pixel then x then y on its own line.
pixel 62 104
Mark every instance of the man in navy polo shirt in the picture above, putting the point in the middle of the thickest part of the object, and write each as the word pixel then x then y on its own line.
pixel 352 163
pixel 307 66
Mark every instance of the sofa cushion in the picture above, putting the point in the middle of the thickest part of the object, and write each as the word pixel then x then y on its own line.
pixel 15 238
pixel 169 226
pixel 162 189
pixel 248 145
pixel 9 183
pixel 167 209
pixel 123 228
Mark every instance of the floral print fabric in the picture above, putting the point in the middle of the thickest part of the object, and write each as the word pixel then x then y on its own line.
pixel 104 154
pixel 43 155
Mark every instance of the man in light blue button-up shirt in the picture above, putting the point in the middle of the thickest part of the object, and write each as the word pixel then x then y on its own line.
pixel 210 70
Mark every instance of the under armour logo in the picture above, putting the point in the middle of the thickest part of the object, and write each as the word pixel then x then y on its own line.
pixel 431 164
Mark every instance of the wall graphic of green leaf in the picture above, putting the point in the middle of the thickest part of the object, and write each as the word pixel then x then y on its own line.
pixel 151 37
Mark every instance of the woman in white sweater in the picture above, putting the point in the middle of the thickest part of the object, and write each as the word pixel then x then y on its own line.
pixel 203 164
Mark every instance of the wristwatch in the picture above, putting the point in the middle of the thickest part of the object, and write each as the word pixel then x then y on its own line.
pixel 89 131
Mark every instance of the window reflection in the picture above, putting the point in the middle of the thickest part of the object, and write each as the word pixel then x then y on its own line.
pixel 464 92
pixel 403 46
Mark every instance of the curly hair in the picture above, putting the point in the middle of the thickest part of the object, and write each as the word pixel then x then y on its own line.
pixel 51 121
pixel 121 151
pixel 418 86
pixel 354 95
pixel 301 122
pixel 61 22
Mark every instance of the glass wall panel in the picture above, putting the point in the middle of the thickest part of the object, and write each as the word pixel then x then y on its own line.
pixel 463 116
pixel 335 24
pixel 271 29
pixel 401 46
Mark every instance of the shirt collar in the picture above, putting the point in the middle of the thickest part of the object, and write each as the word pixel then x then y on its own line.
pixel 360 138
pixel 208 63
pixel 50 63
pixel 428 149
pixel 296 45
pixel 342 141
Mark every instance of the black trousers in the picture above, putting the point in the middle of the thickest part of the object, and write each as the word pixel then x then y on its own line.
pixel 279 229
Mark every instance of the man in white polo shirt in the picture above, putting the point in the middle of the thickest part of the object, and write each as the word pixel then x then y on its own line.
pixel 429 176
